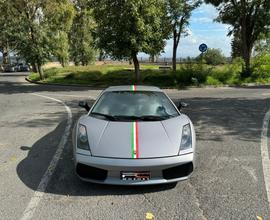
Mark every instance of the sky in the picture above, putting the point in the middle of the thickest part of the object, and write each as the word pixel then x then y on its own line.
pixel 202 29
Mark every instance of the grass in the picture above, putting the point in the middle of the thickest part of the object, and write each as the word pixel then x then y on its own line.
pixel 104 75
pixel 186 74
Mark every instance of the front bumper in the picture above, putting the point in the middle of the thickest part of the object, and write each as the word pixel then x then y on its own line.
pixel 163 170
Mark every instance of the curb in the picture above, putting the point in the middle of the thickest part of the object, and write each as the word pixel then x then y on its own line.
pixel 64 85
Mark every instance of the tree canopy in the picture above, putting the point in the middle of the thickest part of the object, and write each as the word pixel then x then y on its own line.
pixel 250 18
pixel 125 28
pixel 81 40
pixel 262 46
pixel 40 24
pixel 179 12
pixel 8 24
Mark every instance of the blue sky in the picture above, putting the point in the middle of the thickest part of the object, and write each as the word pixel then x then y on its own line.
pixel 202 29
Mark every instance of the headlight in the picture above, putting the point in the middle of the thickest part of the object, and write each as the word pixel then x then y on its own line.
pixel 82 138
pixel 186 142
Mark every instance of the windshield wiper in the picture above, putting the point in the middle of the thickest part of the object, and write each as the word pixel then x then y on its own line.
pixel 133 118
pixel 126 117
pixel 110 117
pixel 153 117
pixel 142 118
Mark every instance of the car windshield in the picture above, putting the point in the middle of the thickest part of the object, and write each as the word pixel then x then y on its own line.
pixel 130 105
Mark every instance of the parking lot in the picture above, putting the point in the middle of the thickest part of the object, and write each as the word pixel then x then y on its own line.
pixel 228 182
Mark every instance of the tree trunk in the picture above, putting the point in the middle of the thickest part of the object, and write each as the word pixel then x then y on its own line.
pixel 5 55
pixel 175 45
pixel 137 67
pixel 174 56
pixel 101 54
pixel 40 71
pixel 246 46
pixel 63 62
pixel 34 67
pixel 247 56
pixel 152 58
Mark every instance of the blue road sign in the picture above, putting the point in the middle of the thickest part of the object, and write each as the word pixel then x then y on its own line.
pixel 203 48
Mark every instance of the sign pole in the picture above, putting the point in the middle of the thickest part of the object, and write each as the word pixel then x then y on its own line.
pixel 203 49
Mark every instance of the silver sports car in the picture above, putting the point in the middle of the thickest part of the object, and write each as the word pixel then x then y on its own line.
pixel 134 135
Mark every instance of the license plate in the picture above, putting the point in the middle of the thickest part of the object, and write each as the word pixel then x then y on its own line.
pixel 142 175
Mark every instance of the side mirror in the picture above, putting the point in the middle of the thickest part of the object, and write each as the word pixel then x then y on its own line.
pixel 84 105
pixel 182 105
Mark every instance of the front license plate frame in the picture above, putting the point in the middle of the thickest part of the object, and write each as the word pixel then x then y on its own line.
pixel 135 175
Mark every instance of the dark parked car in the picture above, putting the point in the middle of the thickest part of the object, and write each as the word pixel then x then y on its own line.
pixel 21 67
pixel 9 68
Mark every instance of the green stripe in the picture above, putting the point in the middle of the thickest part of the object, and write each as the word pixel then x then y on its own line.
pixel 133 147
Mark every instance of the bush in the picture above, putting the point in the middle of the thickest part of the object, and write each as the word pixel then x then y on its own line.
pixel 192 74
pixel 228 74
pixel 261 68
pixel 157 78
pixel 212 81
pixel 213 57
pixel 221 75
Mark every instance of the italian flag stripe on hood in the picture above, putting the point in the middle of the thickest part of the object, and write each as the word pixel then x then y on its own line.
pixel 134 135
pixel 135 140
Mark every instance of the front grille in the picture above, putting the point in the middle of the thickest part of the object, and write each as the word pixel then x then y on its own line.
pixel 178 171
pixel 89 172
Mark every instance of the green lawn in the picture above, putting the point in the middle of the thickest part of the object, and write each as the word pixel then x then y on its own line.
pixel 186 74
pixel 105 75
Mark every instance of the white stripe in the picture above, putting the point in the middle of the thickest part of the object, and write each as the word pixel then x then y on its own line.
pixel 75 96
pixel 30 209
pixel 265 155
pixel 134 140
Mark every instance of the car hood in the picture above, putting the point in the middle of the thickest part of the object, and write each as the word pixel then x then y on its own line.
pixel 142 139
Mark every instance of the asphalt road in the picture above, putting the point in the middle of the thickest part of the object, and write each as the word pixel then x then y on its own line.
pixel 228 182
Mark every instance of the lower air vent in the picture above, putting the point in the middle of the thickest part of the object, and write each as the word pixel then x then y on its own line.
pixel 178 171
pixel 89 172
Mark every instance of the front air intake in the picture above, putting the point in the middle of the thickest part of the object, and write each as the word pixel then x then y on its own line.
pixel 180 171
pixel 89 172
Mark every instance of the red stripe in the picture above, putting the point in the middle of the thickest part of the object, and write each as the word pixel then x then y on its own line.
pixel 135 88
pixel 137 140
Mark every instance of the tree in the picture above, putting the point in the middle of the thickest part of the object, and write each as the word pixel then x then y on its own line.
pixel 61 47
pixel 61 21
pixel 39 22
pixel 262 46
pixel 7 23
pixel 179 12
pixel 250 17
pixel 126 28
pixel 213 57
pixel 82 49
pixel 236 46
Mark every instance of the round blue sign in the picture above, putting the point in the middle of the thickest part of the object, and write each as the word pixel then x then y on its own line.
pixel 203 48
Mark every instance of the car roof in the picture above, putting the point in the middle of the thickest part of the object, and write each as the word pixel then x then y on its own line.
pixel 131 88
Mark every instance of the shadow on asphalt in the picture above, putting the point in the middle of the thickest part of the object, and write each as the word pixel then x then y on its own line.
pixel 214 119
pixel 8 87
pixel 219 117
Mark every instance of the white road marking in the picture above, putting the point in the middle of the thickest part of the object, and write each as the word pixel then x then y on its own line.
pixel 30 209
pixel 265 154
pixel 75 96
